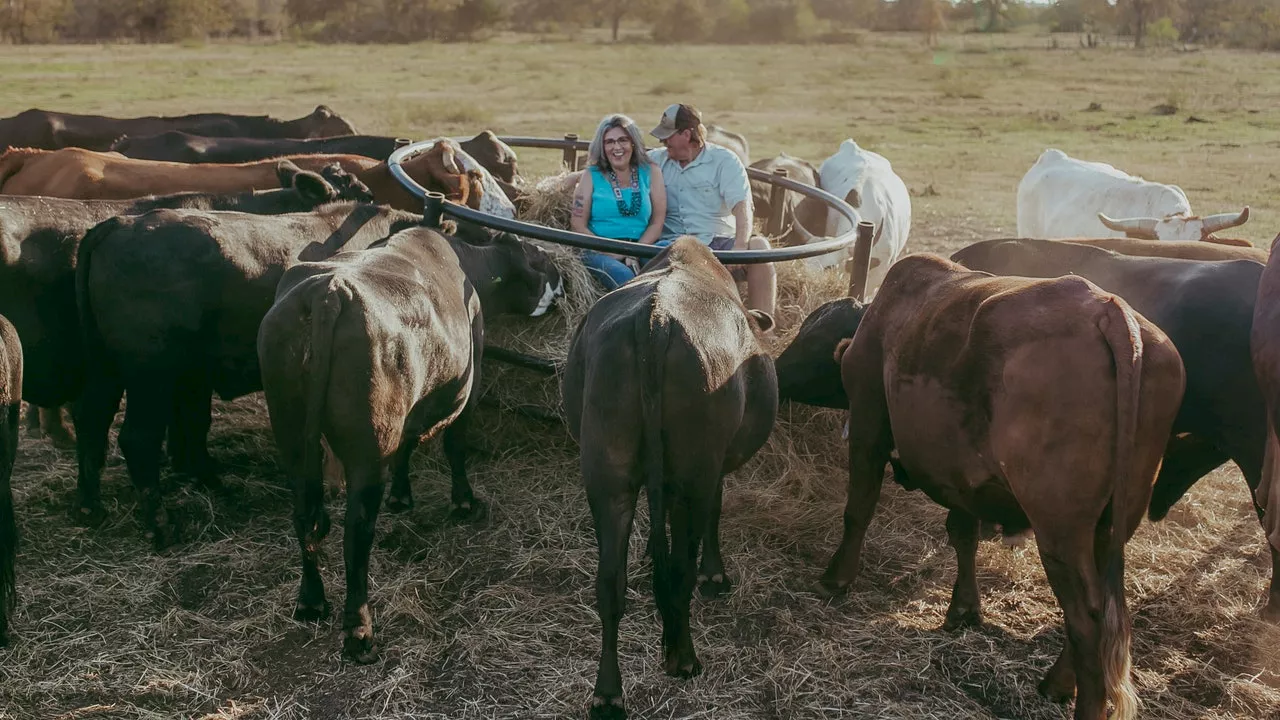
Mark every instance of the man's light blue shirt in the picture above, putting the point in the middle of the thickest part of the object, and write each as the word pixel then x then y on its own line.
pixel 701 195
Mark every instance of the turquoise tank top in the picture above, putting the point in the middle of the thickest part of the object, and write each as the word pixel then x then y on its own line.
pixel 606 220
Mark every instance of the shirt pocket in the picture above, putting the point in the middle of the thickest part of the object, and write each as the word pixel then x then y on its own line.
pixel 706 194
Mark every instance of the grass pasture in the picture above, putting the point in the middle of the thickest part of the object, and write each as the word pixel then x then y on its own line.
pixel 497 619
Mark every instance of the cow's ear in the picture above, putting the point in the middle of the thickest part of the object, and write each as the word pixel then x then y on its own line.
pixel 323 111
pixel 763 319
pixel 285 172
pixel 854 199
pixel 314 188
pixel 840 348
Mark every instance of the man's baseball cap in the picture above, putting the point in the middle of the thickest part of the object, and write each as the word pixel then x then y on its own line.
pixel 676 118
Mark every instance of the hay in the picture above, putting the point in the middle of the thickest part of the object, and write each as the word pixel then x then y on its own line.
pixel 497 619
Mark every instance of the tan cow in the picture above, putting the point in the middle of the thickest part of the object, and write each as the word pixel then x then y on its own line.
pixel 1032 403
pixel 89 175
pixel 1181 249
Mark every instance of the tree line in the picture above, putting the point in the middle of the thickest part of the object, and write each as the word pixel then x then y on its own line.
pixel 1232 23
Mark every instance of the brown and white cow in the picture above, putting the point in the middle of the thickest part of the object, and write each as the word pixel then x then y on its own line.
pixel 668 388
pixel 375 351
pixel 88 175
pixel 1040 403
pixel 10 404
pixel 801 215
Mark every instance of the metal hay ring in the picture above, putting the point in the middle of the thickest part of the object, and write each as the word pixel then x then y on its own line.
pixel 434 205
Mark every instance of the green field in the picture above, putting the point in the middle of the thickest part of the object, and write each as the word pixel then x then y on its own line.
pixel 497 619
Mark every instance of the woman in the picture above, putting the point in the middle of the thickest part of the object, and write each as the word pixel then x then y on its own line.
pixel 620 196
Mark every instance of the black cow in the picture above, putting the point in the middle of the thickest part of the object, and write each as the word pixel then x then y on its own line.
pixel 178 146
pixel 376 351
pixel 170 303
pixel 39 237
pixel 808 369
pixel 800 214
pixel 1207 309
pixel 667 387
pixel 54 130
pixel 10 405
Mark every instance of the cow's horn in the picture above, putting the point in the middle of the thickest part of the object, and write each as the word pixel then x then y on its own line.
pixel 450 160
pixel 1138 228
pixel 1214 223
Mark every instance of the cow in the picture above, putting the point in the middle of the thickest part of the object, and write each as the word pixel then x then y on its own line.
pixel 39 237
pixel 1265 352
pixel 84 174
pixel 1186 250
pixel 808 370
pixel 170 303
pixel 734 142
pixel 1207 310
pixel 1032 403
pixel 375 351
pixel 668 387
pixel 176 146
pixel 10 405
pixel 800 214
pixel 49 130
pixel 867 182
pixel 1063 197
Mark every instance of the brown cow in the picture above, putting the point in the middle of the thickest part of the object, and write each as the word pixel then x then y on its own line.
pixel 377 350
pixel 10 402
pixel 88 175
pixel 1181 249
pixel 1031 403
pixel 667 387
pixel 1265 347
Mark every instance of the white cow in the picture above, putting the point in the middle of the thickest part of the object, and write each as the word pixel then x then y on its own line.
pixel 1062 197
pixel 867 182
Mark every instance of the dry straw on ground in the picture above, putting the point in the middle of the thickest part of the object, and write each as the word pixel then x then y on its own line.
pixel 497 619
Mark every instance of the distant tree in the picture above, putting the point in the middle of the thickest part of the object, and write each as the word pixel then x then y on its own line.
pixel 1140 14
pixel 993 13
pixel 32 21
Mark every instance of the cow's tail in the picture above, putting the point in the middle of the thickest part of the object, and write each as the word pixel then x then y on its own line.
pixel 8 526
pixel 84 254
pixel 1120 328
pixel 324 316
pixel 652 337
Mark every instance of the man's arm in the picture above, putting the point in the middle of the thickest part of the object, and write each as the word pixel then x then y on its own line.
pixel 742 220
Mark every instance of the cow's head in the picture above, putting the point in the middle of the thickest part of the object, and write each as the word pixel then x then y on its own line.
pixel 331 184
pixel 493 155
pixel 1175 227
pixel 809 369
pixel 438 169
pixel 523 278
pixel 324 122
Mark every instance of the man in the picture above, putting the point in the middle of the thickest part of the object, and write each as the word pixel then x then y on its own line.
pixel 709 197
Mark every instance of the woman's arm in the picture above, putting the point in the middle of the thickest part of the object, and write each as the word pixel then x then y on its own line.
pixel 581 205
pixel 658 198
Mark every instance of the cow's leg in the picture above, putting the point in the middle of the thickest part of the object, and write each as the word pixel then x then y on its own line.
pixel 1186 460
pixel 32 425
pixel 401 498
pixel 364 498
pixel 189 433
pixel 1072 574
pixel 713 579
pixel 311 523
pixel 868 455
pixel 96 411
pixel 146 416
pixel 966 604
pixel 464 505
pixel 689 516
pixel 612 494
pixel 1269 475
pixel 54 427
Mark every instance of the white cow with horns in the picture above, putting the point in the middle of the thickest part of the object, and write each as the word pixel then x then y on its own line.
pixel 867 182
pixel 1062 197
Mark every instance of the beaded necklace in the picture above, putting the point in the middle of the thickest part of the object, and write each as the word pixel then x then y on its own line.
pixel 634 208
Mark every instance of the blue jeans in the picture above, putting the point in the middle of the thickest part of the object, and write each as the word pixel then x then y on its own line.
pixel 609 271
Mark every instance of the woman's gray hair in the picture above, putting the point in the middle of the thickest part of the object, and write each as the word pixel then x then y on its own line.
pixel 595 151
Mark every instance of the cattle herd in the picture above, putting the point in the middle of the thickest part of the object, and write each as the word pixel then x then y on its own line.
pixel 1061 384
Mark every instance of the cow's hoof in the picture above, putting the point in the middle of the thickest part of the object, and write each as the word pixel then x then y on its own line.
pixel 89 515
pixel 1056 690
pixel 718 585
pixel 61 438
pixel 397 504
pixel 1271 613
pixel 682 665
pixel 958 618
pixel 828 589
pixel 162 536
pixel 607 709
pixel 468 511
pixel 359 650
pixel 311 612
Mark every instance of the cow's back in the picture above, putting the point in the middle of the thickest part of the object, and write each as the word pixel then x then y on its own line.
pixel 867 180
